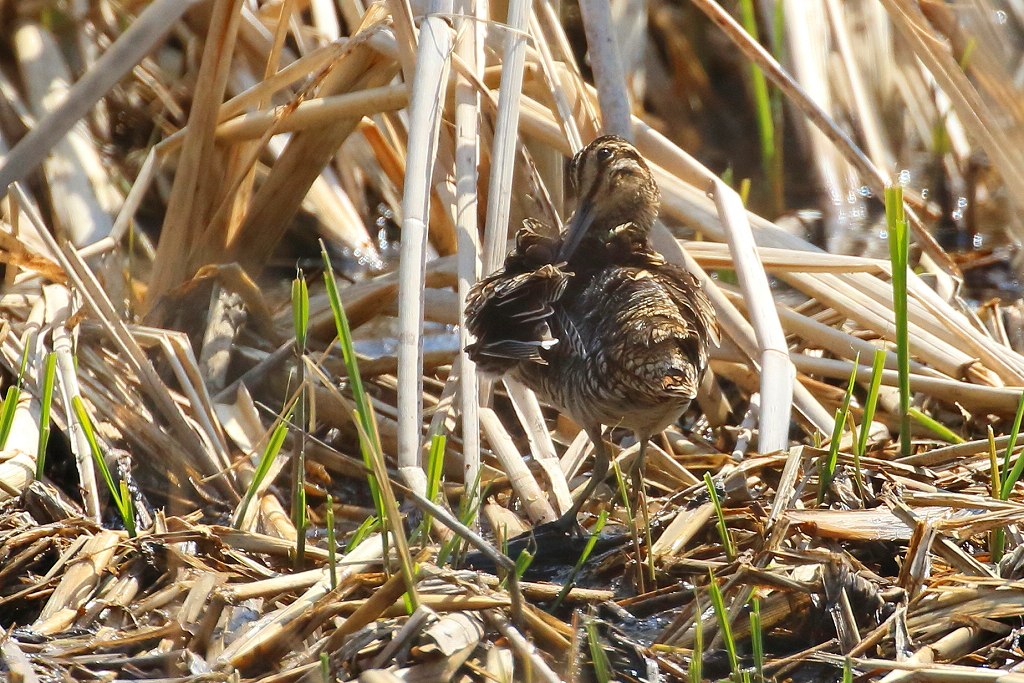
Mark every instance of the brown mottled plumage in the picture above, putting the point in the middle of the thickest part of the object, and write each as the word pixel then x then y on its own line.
pixel 595 321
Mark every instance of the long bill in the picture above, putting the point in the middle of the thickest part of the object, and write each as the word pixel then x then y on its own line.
pixel 579 224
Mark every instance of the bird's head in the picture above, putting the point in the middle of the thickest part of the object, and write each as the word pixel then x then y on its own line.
pixel 614 186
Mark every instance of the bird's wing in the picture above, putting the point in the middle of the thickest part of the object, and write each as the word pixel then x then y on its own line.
pixel 508 312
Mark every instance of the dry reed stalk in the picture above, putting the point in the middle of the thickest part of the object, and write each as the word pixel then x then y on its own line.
pixel 876 140
pixel 469 49
pixel 428 89
pixel 195 189
pixel 522 647
pixel 406 635
pixel 807 40
pixel 78 583
pixel 437 603
pixel 682 529
pixel 609 79
pixel 313 113
pixel 531 418
pixel 278 585
pixel 956 358
pixel 972 110
pixel 177 350
pixel 17 662
pixel 549 591
pixel 578 452
pixel 145 32
pixel 736 326
pixel 875 178
pixel 80 190
pixel 550 167
pixel 500 664
pixel 506 127
pixel 776 369
pixel 281 623
pixel 535 502
pixel 325 19
pixel 551 75
pixel 97 301
pixel 783 260
pixel 275 519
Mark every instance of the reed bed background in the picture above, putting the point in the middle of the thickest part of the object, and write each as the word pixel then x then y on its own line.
pixel 241 440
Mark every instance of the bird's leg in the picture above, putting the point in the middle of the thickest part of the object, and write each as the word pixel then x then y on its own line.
pixel 567 522
pixel 636 470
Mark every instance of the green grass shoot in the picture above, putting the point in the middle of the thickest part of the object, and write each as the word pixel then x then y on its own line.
pixel 584 556
pixel 936 427
pixel 620 486
pixel 49 376
pixel 634 528
pixel 757 638
pixel 365 528
pixel 997 541
pixel 468 507
pixel 828 469
pixel 744 191
pixel 718 602
pixel 860 447
pixel 7 412
pixel 1010 476
pixel 332 542
pixel 870 404
pixel 364 414
pixel 391 518
pixel 523 562
pixel 899 248
pixel 723 530
pixel 965 58
pixel 435 467
pixel 300 310
pixel 300 323
pixel 763 108
pixel 13 395
pixel 118 493
pixel 270 452
pixel 1003 481
pixel 602 667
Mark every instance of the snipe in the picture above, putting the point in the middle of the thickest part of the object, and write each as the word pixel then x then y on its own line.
pixel 595 321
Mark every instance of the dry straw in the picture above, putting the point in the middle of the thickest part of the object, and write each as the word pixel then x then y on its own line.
pixel 178 178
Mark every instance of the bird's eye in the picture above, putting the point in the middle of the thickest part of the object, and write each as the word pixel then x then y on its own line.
pixel 604 154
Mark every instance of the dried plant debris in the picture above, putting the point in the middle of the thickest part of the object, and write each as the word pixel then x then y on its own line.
pixel 240 438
